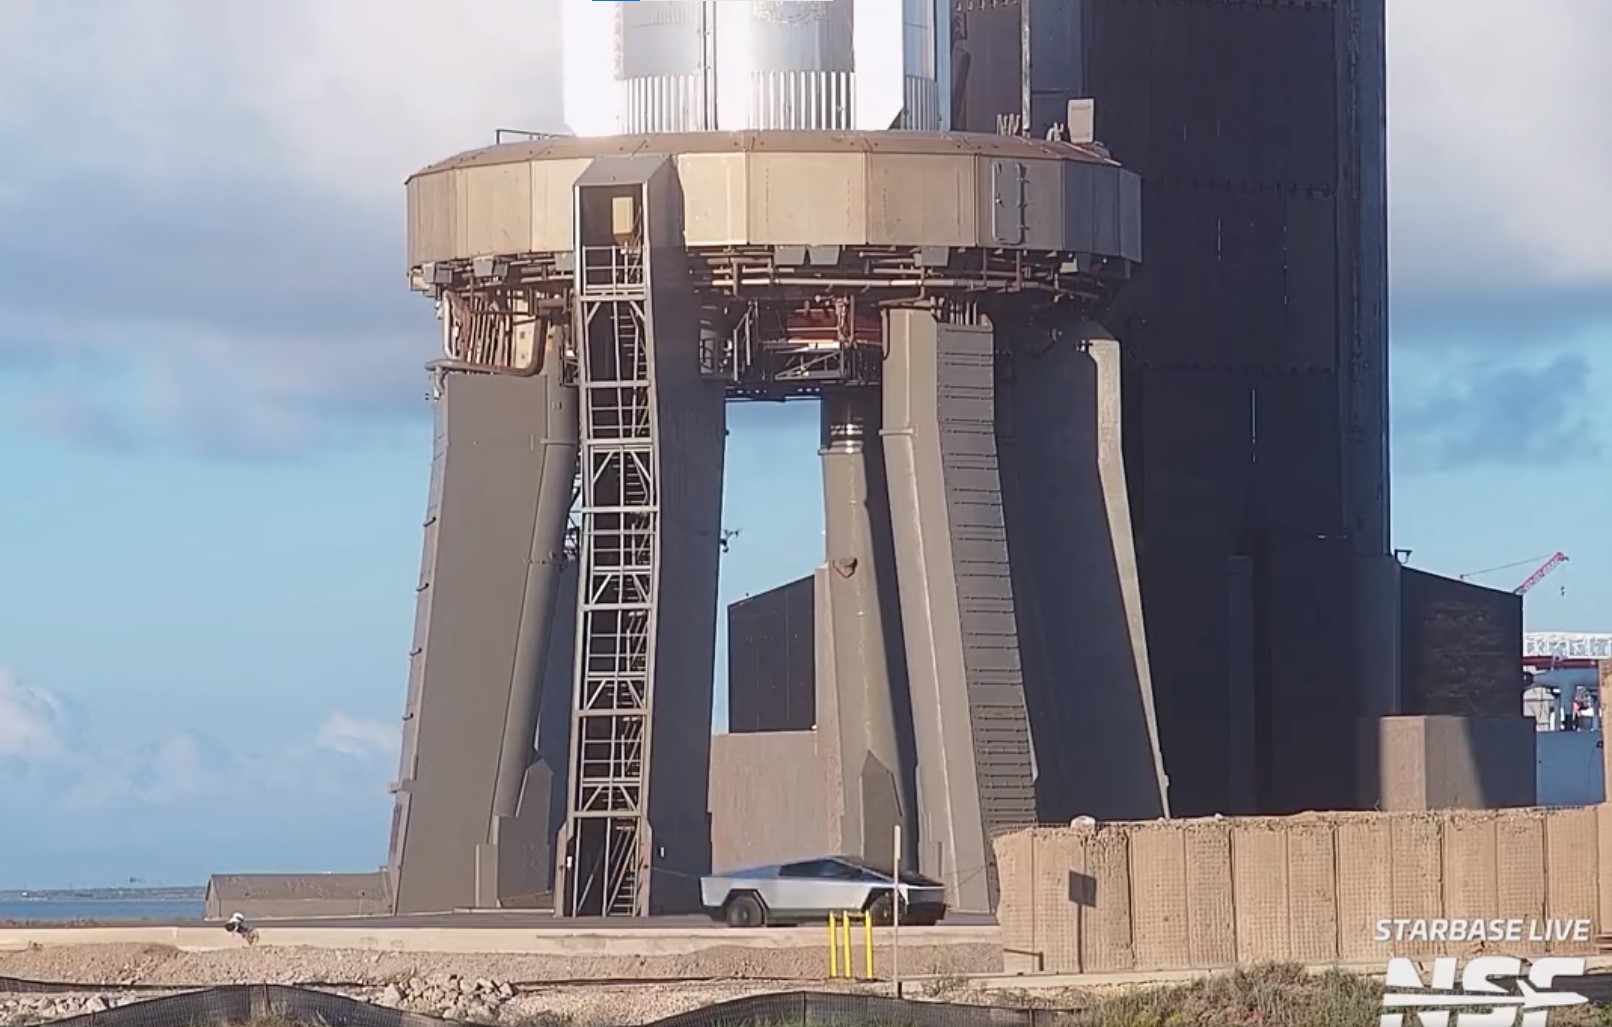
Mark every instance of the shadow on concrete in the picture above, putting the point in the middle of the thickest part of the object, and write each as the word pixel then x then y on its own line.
pixel 1086 679
pixel 895 640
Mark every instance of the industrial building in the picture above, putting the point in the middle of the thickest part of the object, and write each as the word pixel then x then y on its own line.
pixel 1092 295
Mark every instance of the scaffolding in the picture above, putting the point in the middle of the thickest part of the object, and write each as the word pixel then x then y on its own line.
pixel 607 833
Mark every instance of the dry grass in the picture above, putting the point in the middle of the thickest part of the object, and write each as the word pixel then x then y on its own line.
pixel 1272 996
pixel 1269 996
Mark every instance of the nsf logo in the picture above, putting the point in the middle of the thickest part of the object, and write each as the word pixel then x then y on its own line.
pixel 1479 1001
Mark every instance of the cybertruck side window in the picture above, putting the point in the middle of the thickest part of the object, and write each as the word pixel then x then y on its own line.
pixel 810 868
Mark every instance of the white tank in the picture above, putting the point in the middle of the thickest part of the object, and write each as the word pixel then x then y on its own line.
pixel 733 65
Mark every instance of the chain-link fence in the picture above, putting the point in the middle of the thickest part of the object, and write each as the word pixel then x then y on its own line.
pixel 242 1004
pixel 820 1009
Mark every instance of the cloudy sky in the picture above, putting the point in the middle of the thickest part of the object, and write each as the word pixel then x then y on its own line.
pixel 214 442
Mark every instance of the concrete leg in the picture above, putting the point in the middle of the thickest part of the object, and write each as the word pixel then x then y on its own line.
pixel 975 771
pixel 501 485
pixel 827 688
pixel 872 797
pixel 1078 598
pixel 693 444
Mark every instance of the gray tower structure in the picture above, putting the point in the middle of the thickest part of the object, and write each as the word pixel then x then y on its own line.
pixel 603 297
pixel 894 275
pixel 1255 358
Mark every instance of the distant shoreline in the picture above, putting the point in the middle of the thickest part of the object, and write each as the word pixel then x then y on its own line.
pixel 186 894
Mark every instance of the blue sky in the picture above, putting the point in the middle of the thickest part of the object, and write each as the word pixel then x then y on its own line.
pixel 214 441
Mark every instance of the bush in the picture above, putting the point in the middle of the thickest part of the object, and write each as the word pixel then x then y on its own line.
pixel 1269 996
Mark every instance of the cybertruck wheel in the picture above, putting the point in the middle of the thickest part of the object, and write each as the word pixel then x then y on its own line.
pixel 744 910
pixel 882 910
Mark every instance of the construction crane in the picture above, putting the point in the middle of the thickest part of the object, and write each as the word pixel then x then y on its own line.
pixel 1540 573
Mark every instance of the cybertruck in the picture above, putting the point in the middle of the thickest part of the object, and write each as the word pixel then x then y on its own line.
pixel 811 890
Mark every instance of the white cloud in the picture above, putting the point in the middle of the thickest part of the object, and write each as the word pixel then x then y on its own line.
pixel 350 97
pixel 241 166
pixel 350 736
pixel 171 770
pixel 30 721
pixel 1499 146
pixel 80 765
pixel 1497 128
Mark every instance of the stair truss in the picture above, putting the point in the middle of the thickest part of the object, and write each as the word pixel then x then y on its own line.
pixel 619 540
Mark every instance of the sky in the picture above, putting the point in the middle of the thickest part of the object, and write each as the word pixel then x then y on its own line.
pixel 214 436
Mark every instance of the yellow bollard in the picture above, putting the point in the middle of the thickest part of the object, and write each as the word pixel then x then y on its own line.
pixel 867 945
pixel 833 945
pixel 842 951
pixel 845 939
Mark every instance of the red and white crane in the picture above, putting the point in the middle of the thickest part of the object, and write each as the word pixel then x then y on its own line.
pixel 1541 572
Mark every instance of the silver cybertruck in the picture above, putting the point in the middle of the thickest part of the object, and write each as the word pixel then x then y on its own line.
pixel 795 893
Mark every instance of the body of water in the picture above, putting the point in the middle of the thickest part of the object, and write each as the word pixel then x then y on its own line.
pixel 54 909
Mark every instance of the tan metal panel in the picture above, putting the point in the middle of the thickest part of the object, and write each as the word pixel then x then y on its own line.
pixel 461 212
pixel 1020 202
pixel 924 200
pixel 716 192
pixel 497 205
pixel 431 216
pixel 767 188
pixel 552 202
pixel 808 198
pixel 986 145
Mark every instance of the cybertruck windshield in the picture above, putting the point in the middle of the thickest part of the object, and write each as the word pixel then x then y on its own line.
pixel 913 878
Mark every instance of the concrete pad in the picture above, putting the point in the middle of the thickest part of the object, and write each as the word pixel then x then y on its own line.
pixel 621 941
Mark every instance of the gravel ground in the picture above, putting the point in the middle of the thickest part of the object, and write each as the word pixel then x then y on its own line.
pixel 160 965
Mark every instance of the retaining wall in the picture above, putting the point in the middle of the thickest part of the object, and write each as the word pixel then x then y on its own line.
pixel 1310 888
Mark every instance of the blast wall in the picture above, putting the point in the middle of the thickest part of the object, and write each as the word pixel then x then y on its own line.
pixel 751 824
pixel 1206 893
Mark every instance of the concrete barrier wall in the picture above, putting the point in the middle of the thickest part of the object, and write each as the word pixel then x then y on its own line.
pixel 1310 888
pixel 750 824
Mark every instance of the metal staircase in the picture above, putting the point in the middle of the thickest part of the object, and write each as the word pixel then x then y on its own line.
pixel 608 836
